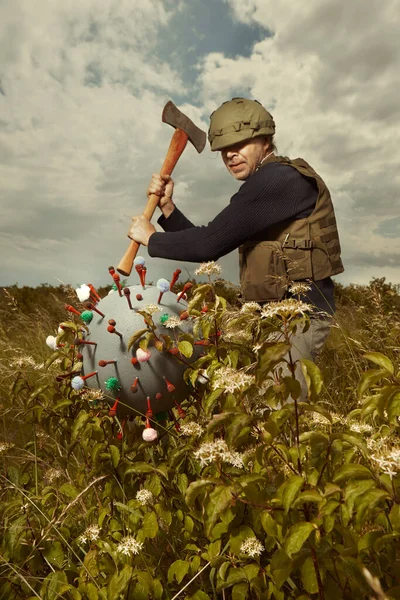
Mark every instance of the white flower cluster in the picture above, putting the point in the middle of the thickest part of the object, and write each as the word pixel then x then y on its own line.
pixel 218 450
pixel 144 497
pixel 6 446
pixel 52 475
pixel 252 547
pixel 92 534
pixel 91 394
pixel 250 307
pixel 299 288
pixel 129 545
pixel 231 380
pixel 388 463
pixel 285 308
pixel 26 361
pixel 151 309
pixel 209 268
pixel 172 323
pixel 360 427
pixel 191 428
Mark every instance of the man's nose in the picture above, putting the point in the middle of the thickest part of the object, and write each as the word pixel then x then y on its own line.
pixel 230 152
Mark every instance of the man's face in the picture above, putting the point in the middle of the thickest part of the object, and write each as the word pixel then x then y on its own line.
pixel 243 158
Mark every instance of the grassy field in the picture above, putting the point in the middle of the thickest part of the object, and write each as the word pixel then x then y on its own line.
pixel 87 515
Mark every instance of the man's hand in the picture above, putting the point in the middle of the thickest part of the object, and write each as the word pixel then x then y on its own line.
pixel 141 230
pixel 162 186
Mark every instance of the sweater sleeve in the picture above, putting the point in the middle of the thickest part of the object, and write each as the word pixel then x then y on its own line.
pixel 175 222
pixel 273 194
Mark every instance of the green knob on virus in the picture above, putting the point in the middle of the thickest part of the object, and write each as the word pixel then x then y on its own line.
pixel 113 384
pixel 164 318
pixel 87 316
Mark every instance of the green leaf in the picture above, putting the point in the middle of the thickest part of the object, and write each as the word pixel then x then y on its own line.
pixel 381 360
pixel 290 490
pixel 352 471
pixel 149 526
pixel 219 500
pixel 211 400
pixel 240 591
pixel 195 488
pixel 313 378
pixel 368 379
pixel 268 357
pixel 296 537
pixel 54 554
pixel 281 567
pixel 178 570
pixel 309 577
pixel 137 468
pixel 185 348
pixel 268 523
pixel 79 423
pixel 119 583
pixel 115 455
pixel 69 490
pixel 53 585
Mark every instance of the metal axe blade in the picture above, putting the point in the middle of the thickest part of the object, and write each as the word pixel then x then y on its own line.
pixel 173 116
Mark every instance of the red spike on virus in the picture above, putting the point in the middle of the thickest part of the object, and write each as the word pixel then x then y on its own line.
pixel 117 281
pixel 143 276
pixel 120 433
pixel 71 309
pixel 139 297
pixel 184 315
pixel 89 375
pixel 78 342
pixel 112 329
pixel 104 363
pixel 159 396
pixel 202 343
pixel 186 287
pixel 112 322
pixel 138 269
pixel 127 294
pixel 91 306
pixel 134 386
pixel 170 386
pixel 149 412
pixel 111 270
pixel 113 410
pixel 94 292
pixel 134 360
pixel 175 278
pixel 181 412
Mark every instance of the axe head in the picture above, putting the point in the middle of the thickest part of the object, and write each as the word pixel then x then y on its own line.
pixel 173 116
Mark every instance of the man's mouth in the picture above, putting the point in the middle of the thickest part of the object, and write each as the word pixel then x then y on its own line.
pixel 233 165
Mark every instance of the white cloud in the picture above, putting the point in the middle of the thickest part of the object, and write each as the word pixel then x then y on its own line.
pixel 81 131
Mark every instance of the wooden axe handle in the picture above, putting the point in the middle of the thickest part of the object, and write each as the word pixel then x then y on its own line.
pixel 176 147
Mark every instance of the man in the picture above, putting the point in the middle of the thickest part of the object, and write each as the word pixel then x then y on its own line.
pixel 281 220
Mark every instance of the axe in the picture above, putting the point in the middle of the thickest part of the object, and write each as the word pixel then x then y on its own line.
pixel 185 130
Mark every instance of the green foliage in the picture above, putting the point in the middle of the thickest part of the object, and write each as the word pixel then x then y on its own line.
pixel 259 496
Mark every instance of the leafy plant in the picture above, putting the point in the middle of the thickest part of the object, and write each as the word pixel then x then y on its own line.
pixel 252 494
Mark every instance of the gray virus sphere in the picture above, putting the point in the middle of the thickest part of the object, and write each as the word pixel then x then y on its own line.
pixel 133 375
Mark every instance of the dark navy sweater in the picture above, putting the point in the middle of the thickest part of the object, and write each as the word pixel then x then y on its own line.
pixel 273 194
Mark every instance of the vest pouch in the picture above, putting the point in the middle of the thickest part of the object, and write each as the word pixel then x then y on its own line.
pixel 263 275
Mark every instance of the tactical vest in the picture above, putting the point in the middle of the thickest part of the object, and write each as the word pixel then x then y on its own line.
pixel 303 249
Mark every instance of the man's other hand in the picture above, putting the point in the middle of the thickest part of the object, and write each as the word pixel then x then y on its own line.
pixel 141 230
pixel 162 186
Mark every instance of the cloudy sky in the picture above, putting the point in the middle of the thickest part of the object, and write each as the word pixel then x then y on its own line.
pixel 82 88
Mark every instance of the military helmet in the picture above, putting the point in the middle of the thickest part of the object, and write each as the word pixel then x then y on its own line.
pixel 238 120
